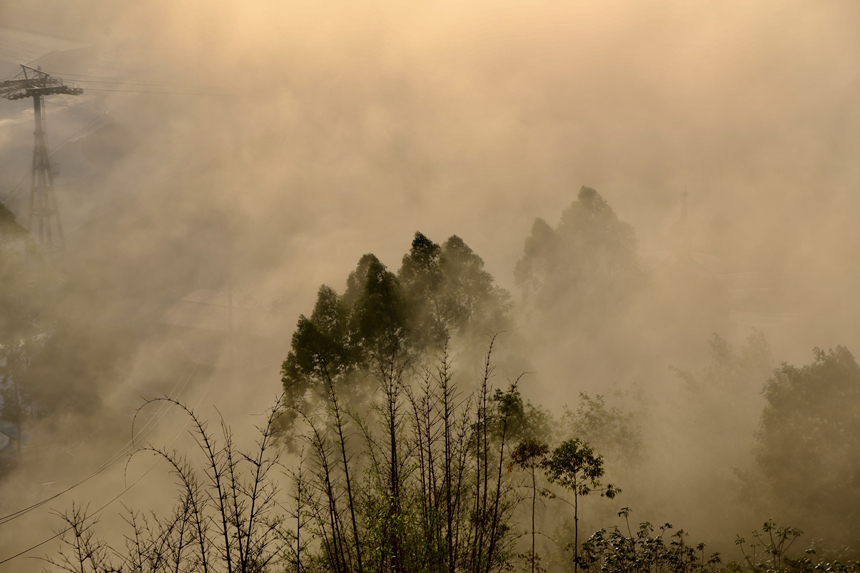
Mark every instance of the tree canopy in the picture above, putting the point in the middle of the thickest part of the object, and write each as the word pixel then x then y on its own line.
pixel 440 292
pixel 811 421
pixel 587 263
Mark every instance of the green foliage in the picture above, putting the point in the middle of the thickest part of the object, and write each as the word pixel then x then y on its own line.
pixel 525 420
pixel 319 341
pixel 447 291
pixel 440 292
pixel 574 466
pixel 413 482
pixel 808 452
pixel 431 493
pixel 769 546
pixel 376 321
pixel 421 278
pixel 529 454
pixel 644 551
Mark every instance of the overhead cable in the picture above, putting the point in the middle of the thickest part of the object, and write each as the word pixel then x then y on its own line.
pixel 123 492
pixel 110 461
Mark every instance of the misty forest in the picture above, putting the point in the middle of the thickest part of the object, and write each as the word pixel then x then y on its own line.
pixel 550 286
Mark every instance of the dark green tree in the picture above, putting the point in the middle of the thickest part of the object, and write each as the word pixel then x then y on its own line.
pixel 344 335
pixel 530 455
pixel 440 293
pixel 645 551
pixel 320 352
pixel 447 293
pixel 421 280
pixel 376 321
pixel 574 466
pixel 471 301
pixel 808 453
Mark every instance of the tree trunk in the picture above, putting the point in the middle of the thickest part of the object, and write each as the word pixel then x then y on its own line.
pixel 534 502
pixel 575 530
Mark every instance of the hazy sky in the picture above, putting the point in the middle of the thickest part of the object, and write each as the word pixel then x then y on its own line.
pixel 340 129
pixel 332 129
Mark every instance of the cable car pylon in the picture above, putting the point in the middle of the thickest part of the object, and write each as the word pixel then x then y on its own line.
pixel 43 218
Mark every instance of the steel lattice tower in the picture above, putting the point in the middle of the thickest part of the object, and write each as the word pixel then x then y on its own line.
pixel 35 83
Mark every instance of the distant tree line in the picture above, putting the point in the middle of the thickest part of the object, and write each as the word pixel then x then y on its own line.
pixel 53 359
pixel 397 465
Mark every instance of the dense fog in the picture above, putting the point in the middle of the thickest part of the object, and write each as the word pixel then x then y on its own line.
pixel 665 190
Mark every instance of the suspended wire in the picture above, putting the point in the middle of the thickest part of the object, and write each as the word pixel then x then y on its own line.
pixel 147 84
pixel 62 531
pixel 85 127
pixel 123 492
pixel 88 79
pixel 146 428
pixel 164 92
pixel 119 81
pixel 111 80
pixel 85 80
pixel 116 456
pixel 152 84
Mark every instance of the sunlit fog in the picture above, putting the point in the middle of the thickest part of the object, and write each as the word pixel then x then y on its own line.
pixel 394 286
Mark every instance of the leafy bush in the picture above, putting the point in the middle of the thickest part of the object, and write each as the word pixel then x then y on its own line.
pixel 655 550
